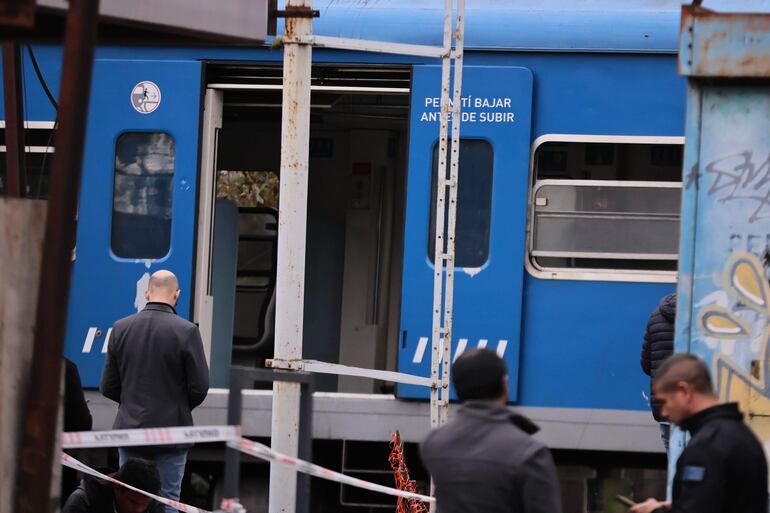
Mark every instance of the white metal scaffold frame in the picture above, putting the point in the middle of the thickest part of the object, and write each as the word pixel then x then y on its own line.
pixel 295 136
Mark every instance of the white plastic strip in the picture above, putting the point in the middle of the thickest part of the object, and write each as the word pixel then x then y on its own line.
pixel 264 452
pixel 153 436
pixel 69 461
pixel 345 370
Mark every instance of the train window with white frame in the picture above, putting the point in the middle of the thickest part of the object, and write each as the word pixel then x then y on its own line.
pixel 143 195
pixel 474 203
pixel 38 157
pixel 605 204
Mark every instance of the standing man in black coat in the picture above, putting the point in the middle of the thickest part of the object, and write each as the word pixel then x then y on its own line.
pixel 723 468
pixel 156 371
pixel 659 345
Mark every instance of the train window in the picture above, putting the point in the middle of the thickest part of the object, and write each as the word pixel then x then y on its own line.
pixel 143 195
pixel 609 206
pixel 38 137
pixel 474 203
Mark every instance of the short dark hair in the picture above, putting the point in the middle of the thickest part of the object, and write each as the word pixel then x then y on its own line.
pixel 683 367
pixel 478 375
pixel 142 474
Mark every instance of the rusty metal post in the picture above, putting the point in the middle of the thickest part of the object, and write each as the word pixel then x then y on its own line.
pixel 14 121
pixel 39 428
pixel 290 274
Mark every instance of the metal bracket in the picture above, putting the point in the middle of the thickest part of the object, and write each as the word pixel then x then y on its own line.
pixel 292 11
pixel 273 13
pixel 279 363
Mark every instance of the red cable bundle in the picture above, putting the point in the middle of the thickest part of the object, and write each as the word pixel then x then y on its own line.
pixel 401 474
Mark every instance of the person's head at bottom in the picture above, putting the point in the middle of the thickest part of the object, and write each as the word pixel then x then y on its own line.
pixel 480 375
pixel 140 474
pixel 683 386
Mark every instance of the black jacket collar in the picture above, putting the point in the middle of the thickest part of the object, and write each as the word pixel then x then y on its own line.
pixel 493 411
pixel 160 307
pixel 721 411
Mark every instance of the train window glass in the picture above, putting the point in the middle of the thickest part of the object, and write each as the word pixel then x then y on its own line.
pixel 474 203
pixel 37 160
pixel 143 195
pixel 606 206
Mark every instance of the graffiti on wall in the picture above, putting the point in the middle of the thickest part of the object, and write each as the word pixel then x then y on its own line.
pixel 743 319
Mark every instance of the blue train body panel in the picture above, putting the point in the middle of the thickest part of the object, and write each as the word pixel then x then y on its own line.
pixel 119 195
pixel 574 344
pixel 497 111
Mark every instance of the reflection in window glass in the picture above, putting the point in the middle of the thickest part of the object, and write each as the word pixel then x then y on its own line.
pixel 142 196
pixel 474 203
pixel 609 206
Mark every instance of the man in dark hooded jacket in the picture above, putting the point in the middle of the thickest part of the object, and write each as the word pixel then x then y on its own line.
pixel 659 345
pixel 484 460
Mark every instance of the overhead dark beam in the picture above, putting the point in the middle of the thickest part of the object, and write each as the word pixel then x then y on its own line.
pixel 39 426
pixel 14 121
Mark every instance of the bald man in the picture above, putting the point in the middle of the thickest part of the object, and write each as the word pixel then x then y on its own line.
pixel 156 371
pixel 723 468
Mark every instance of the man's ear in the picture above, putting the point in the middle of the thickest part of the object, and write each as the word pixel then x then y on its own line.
pixel 147 294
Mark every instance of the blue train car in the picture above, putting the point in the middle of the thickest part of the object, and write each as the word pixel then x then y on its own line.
pixel 568 210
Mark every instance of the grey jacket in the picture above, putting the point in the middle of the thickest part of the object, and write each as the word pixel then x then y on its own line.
pixel 155 369
pixel 484 460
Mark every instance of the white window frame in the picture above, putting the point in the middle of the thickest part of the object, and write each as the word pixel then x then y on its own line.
pixel 626 275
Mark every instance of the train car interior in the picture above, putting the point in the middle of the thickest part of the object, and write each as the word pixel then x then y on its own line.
pixel 354 240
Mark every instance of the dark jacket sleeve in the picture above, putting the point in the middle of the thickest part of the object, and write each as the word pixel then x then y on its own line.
pixel 540 487
pixel 77 417
pixel 77 503
pixel 196 369
pixel 110 385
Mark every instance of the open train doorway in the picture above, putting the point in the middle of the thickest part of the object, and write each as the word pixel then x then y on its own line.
pixel 358 145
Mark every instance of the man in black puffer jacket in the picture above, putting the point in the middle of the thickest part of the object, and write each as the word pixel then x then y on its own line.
pixel 659 345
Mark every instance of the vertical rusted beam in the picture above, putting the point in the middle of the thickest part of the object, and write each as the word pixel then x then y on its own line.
pixel 14 121
pixel 39 428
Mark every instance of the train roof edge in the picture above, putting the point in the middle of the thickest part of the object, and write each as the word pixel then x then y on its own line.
pixel 645 26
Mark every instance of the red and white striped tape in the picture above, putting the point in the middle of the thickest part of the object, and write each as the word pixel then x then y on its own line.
pixel 259 450
pixel 229 434
pixel 69 461
pixel 151 436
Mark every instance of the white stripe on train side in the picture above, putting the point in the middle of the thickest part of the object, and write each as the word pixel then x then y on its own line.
pixel 462 344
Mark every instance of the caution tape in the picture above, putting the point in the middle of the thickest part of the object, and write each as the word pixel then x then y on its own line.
pixel 259 450
pixel 150 436
pixel 205 434
pixel 69 461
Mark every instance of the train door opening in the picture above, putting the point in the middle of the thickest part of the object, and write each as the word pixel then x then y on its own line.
pixel 357 169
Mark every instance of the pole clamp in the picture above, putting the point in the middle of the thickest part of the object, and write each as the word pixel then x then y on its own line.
pixel 280 363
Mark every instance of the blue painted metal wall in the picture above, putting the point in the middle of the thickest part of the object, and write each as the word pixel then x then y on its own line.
pixel 724 298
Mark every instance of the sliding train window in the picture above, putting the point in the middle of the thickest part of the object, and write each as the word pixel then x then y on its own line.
pixel 606 207
pixel 474 203
pixel 38 157
pixel 143 195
